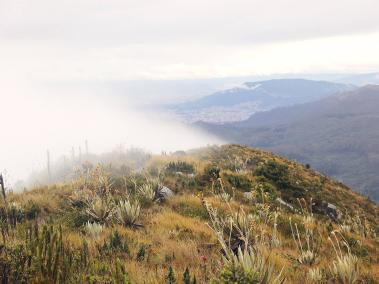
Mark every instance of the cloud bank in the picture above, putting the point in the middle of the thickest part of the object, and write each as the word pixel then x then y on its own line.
pixel 33 123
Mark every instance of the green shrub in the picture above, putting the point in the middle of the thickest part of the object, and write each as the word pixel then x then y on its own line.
pixel 180 166
pixel 76 219
pixel 236 274
pixel 239 182
pixel 274 172
pixel 170 278
pixel 186 277
pixel 189 211
pixel 115 244
pixel 212 172
pixel 32 211
pixel 141 253
pixel 119 275
pixel 15 213
pixel 356 247
pixel 279 175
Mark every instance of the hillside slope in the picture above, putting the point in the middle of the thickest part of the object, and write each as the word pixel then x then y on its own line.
pixel 240 102
pixel 226 214
pixel 338 135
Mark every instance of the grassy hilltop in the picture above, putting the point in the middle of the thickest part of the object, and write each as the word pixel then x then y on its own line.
pixel 226 214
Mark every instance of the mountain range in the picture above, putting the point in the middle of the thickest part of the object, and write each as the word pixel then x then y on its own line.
pixel 238 103
pixel 337 135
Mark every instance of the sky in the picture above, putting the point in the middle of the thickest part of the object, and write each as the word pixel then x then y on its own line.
pixel 170 39
pixel 48 46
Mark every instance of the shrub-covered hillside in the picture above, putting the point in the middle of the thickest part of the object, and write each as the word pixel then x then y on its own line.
pixel 225 214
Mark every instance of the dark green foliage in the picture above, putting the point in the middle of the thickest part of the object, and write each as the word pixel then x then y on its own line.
pixel 239 182
pixel 236 274
pixel 170 278
pixel 356 247
pixel 119 275
pixel 32 211
pixel 115 244
pixel 183 182
pixel 15 215
pixel 186 277
pixel 3 213
pixel 13 264
pixel 43 258
pixel 275 172
pixel 266 187
pixel 279 175
pixel 141 253
pixel 76 218
pixel 189 211
pixel 212 172
pixel 180 166
pixel 49 252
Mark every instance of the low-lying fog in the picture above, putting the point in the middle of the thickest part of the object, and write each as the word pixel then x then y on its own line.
pixel 35 120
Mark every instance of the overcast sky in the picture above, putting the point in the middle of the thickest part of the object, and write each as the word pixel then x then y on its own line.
pixel 125 39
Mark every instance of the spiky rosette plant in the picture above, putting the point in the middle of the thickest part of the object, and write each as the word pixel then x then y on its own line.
pixel 93 229
pixel 128 212
pixel 147 192
pixel 306 245
pixel 345 268
pixel 100 209
pixel 249 266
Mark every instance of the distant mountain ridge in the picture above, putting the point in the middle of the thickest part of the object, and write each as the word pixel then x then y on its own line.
pixel 338 135
pixel 240 102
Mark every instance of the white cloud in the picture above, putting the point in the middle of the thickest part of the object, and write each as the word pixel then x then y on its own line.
pixel 100 40
pixel 33 121
pixel 113 22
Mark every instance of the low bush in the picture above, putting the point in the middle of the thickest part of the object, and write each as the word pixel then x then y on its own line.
pixel 180 166
pixel 239 182
pixel 115 244
pixel 32 210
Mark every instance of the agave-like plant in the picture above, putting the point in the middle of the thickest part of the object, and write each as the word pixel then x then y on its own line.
pixel 93 229
pixel 127 212
pixel 100 209
pixel 315 275
pixel 237 227
pixel 241 225
pixel 224 196
pixel 346 267
pixel 345 228
pixel 152 190
pixel 254 264
pixel 148 192
pixel 358 225
pixel 306 246
pixel 15 206
pixel 275 240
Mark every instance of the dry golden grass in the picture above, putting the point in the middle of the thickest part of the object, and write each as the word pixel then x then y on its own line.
pixel 175 233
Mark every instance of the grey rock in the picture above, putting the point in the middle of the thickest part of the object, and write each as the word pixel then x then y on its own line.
pixel 282 202
pixel 166 193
